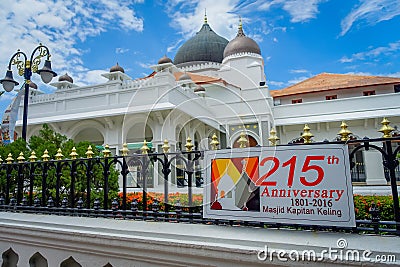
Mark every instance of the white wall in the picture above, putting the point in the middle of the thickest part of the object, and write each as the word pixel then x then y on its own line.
pixel 96 242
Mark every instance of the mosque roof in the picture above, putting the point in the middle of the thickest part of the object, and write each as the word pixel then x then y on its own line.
pixel 241 44
pixel 164 60
pixel 65 77
pixel 205 46
pixel 331 81
pixel 117 67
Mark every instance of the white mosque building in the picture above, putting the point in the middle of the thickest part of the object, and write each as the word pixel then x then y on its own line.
pixel 213 86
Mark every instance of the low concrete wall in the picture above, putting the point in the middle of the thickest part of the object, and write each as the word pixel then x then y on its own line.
pixel 96 242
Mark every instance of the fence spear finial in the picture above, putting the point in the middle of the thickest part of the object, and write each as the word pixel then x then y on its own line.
pixel 344 133
pixel 386 129
pixel 32 157
pixel 273 138
pixel 242 140
pixel 89 153
pixel 9 159
pixel 124 150
pixel 45 156
pixel 189 145
pixel 145 149
pixel 21 158
pixel 59 154
pixel 165 147
pixel 106 151
pixel 307 135
pixel 73 153
pixel 214 142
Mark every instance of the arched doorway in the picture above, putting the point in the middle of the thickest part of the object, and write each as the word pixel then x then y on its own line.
pixel 90 134
pixel 139 132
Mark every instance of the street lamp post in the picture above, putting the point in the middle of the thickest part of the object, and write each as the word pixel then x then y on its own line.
pixel 26 68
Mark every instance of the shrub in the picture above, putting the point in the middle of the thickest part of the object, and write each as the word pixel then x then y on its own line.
pixel 362 205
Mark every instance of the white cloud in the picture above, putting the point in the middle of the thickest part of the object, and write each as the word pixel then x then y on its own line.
pixel 373 53
pixel 223 16
pixel 120 50
pixel 187 16
pixel 61 25
pixel 276 83
pixel 145 65
pixel 297 80
pixel 275 40
pixel 371 12
pixel 391 74
pixel 299 10
pixel 90 77
pixel 174 46
pixel 299 71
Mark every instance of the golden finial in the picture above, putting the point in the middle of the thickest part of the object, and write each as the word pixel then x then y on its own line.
pixel 45 156
pixel 145 149
pixel 240 23
pixel 386 129
pixel 243 140
pixel 106 151
pixel 307 135
pixel 189 145
pixel 21 158
pixel 205 16
pixel 32 157
pixel 59 154
pixel 89 152
pixel 273 138
pixel 124 150
pixel 214 142
pixel 9 159
pixel 165 147
pixel 73 153
pixel 344 132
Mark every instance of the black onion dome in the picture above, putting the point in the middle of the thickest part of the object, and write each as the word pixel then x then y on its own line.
pixel 117 68
pixel 65 77
pixel 206 45
pixel 241 44
pixel 199 89
pixel 33 85
pixel 184 77
pixel 164 60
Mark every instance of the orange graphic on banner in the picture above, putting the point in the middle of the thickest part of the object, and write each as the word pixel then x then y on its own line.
pixel 233 184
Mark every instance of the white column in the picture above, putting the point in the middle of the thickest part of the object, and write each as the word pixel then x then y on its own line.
pixel 373 168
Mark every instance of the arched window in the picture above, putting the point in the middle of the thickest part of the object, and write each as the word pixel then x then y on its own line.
pixel 70 262
pixel 10 258
pixel 37 260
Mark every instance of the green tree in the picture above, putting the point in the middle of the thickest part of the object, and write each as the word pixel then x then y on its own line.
pixel 52 141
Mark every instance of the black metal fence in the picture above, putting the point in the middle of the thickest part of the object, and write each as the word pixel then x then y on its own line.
pixel 41 187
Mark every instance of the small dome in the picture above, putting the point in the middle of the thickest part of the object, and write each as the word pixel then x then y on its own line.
pixel 184 77
pixel 206 46
pixel 241 44
pixel 33 85
pixel 199 89
pixel 117 68
pixel 164 60
pixel 65 77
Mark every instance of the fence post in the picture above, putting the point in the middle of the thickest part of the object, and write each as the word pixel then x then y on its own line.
pixel 391 165
pixel 45 159
pixel 166 171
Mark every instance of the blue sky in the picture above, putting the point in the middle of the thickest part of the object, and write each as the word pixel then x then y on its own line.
pixel 298 38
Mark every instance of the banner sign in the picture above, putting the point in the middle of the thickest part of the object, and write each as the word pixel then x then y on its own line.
pixel 302 184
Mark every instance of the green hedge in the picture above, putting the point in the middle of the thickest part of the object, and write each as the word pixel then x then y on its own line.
pixel 362 205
